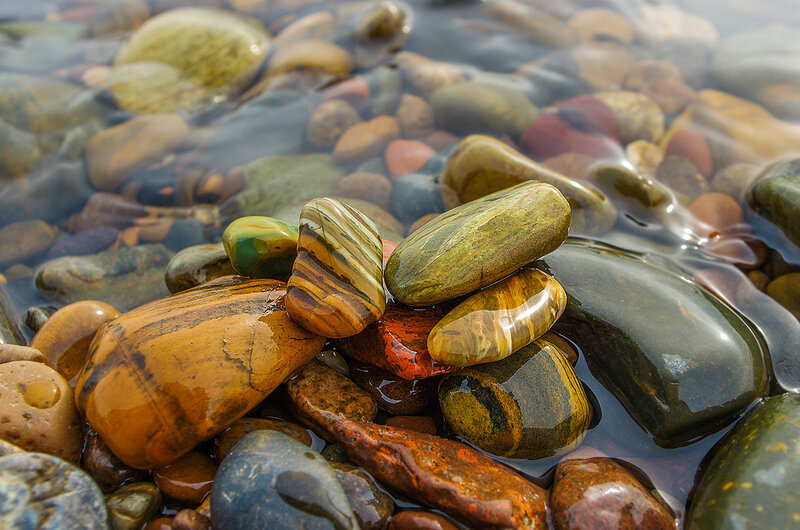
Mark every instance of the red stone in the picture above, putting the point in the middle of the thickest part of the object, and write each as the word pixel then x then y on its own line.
pixel 388 248
pixel 406 156
pixel 418 520
pixel 550 135
pixel 693 145
pixel 595 111
pixel 398 342
pixel 423 424
pixel 354 90
pixel 446 475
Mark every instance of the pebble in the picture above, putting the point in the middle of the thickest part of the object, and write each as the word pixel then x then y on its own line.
pixel 461 250
pixel 602 24
pixel 530 405
pixel 187 519
pixel 423 424
pixel 371 506
pixel 38 411
pixel 13 352
pixel 481 165
pixel 310 56
pixel 398 342
pixel 415 195
pixel 240 347
pixel 366 186
pixel 663 82
pixel 133 505
pixel 105 468
pixel 578 166
pixel 328 121
pixel 25 240
pixel 602 65
pixel 776 196
pixel 366 139
pixel 36 316
pixel 692 145
pixel 635 193
pixel 419 520
pixel 335 289
pixel 270 480
pixel 195 265
pixel 42 491
pixel 187 479
pixel 322 397
pixel 446 475
pixel 64 338
pixel 406 156
pixel 681 175
pixel 317 25
pixel 425 74
pixel 785 289
pixel 734 179
pixel 414 116
pixel 391 392
pixel 600 493
pixel 638 116
pixel 494 323
pixel 536 25
pixel 89 241
pixel 261 247
pixel 335 360
pixel 568 131
pixel 224 441
pixel 714 215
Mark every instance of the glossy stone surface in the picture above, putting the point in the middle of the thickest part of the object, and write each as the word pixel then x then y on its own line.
pixel 133 505
pixel 776 196
pixel 478 243
pixel 398 342
pixel 187 479
pixel 752 478
pixel 202 358
pixel 105 468
pixel 224 441
pixel 65 336
pixel 13 352
pixel 270 480
pixel 785 289
pixel 419 520
pixel 391 392
pixel 261 247
pixel 481 165
pixel 446 475
pixel 42 491
pixel 687 377
pixel 195 265
pixel 600 493
pixel 336 287
pixel 529 405
pixel 371 506
pixel 494 323
pixel 322 397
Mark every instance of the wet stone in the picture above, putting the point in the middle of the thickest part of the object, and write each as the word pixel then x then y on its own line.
pixel 13 352
pixel 776 196
pixel 25 240
pixel 190 520
pixel 785 289
pixel 188 380
pixel 224 441
pixel 38 411
pixel 683 177
pixel 188 479
pixel 322 397
pixel 123 278
pixel 105 468
pixel 42 491
pixel 415 116
pixel 415 195
pixel 36 316
pixel 446 475
pixel 494 323
pixel 423 424
pixel 419 520
pixel 367 186
pixel 261 247
pixel 530 405
pixel 638 116
pixel 336 287
pixel 366 139
pixel 600 493
pixel 89 241
pixel 328 121
pixel 195 265
pixel 131 506
pixel 272 480
pixel 371 506
pixel 471 246
pixel 391 392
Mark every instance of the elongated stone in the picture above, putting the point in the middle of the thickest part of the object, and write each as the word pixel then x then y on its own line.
pixel 481 165
pixel 170 374
pixel 336 287
pixel 494 323
pixel 261 247
pixel 530 405
pixel 680 361
pixel 478 243
pixel 446 475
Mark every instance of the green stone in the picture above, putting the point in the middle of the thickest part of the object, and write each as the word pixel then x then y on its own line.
pixel 681 362
pixel 785 290
pixel 645 199
pixel 195 265
pixel 776 196
pixel 529 405
pixel 261 247
pixel 477 243
pixel 19 151
pixel 132 505
pixel 753 477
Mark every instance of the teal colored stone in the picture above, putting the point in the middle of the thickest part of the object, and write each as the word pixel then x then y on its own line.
pixel 261 247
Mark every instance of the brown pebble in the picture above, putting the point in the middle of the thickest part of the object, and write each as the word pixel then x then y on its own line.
pixel 153 230
pixel 680 174
pixel 759 278
pixel 310 56
pixel 187 479
pixel 423 424
pixel 662 81
pixel 391 392
pixel 371 187
pixel 366 139
pixel 225 440
pixel 18 272
pixel 419 520
pixel 37 410
pixel 644 156
pixel 354 90
pixel 426 75
pixel 406 156
pixel 65 336
pixel 563 346
pixel 691 144
pixel 734 179
pixel 602 24
pixel 573 165
pixel 105 468
pixel 12 352
pixel 162 523
pixel 328 121
pixel 440 140
pixel 190 520
pixel 415 116
pixel 715 214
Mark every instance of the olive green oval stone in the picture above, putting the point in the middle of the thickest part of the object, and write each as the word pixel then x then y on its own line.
pixel 494 323
pixel 195 265
pixel 776 196
pixel 785 290
pixel 680 361
pixel 261 247
pixel 131 506
pixel 753 478
pixel 529 405
pixel 481 165
pixel 477 243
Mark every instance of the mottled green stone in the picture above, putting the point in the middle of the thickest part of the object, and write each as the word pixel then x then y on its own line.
pixel 261 247
pixel 529 405
pixel 132 505
pixel 680 361
pixel 753 478
pixel 477 243
pixel 776 196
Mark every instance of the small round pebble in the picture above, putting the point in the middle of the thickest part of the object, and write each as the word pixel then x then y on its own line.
pixel 188 479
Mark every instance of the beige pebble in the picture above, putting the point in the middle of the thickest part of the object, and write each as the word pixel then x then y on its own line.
pixel 414 116
pixel 601 23
pixel 644 156
pixel 366 139
pixel 638 116
pixel 12 352
pixel 328 121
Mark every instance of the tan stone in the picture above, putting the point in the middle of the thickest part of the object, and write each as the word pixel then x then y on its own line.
pixel 328 121
pixel 12 352
pixel 602 23
pixel 366 139
pixel 414 116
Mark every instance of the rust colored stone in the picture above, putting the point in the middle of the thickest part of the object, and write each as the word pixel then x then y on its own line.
pixel 419 520
pixel 188 479
pixel 13 352
pixel 190 520
pixel 600 493
pixel 161 523
pixel 423 424
pixel 692 144
pixel 406 156
pixel 106 469
pixel 366 139
pixel 225 440
pixel 446 475
pixel 715 214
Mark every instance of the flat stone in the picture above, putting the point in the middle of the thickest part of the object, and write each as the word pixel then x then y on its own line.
pixel 638 116
pixel 691 375
pixel 478 243
pixel 494 323
pixel 270 480
pixel 776 196
pixel 224 441
pixel 371 506
pixel 195 265
pixel 446 475
pixel 529 405
pixel 42 491
pixel 481 165
pixel 336 287
pixel 261 247
pixel 202 358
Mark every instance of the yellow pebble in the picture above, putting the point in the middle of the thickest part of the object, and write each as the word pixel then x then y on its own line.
pixel 40 394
